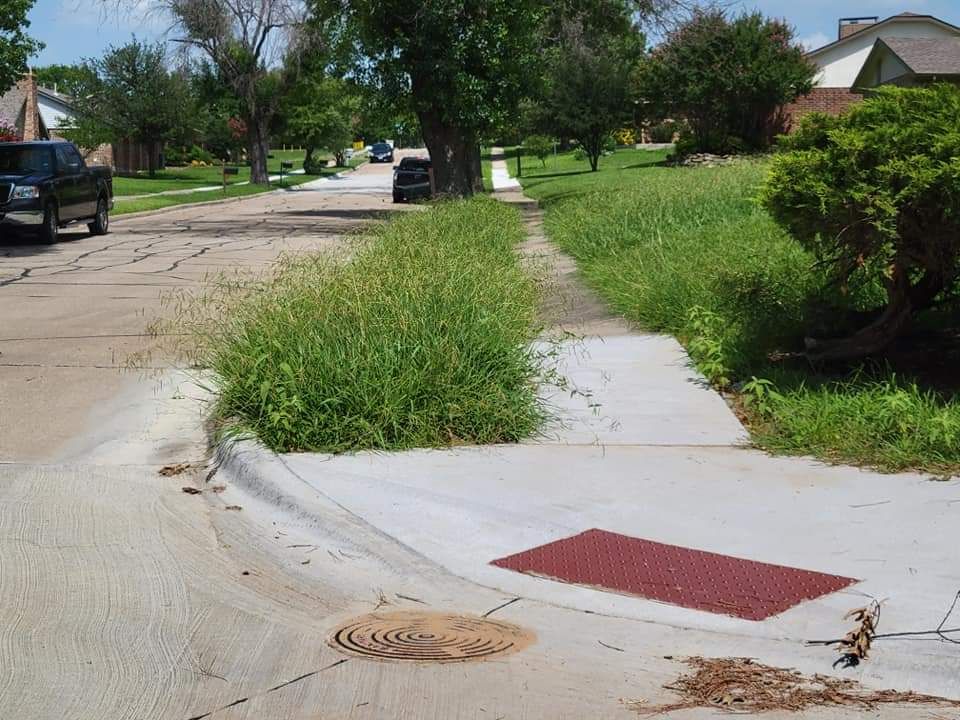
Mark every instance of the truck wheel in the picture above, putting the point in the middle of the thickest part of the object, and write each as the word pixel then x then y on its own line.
pixel 397 196
pixel 50 229
pixel 101 221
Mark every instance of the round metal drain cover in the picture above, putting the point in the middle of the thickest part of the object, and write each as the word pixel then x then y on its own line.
pixel 428 637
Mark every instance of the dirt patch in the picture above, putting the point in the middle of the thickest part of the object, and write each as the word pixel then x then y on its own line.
pixel 743 686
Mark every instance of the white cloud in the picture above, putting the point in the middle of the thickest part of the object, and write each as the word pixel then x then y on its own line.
pixel 814 41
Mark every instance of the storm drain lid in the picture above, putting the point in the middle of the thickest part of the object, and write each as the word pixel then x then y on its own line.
pixel 428 637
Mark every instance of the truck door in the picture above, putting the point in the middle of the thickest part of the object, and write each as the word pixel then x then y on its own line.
pixel 86 184
pixel 67 184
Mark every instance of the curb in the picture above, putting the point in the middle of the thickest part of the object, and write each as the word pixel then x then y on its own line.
pixel 263 477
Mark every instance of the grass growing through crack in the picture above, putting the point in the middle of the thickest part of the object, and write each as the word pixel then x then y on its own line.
pixel 688 251
pixel 421 338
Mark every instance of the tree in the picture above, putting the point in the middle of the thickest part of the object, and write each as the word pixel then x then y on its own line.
pixel 254 45
pixel 67 79
pixel 16 46
pixel 587 86
pixel 132 96
pixel 726 78
pixel 463 67
pixel 320 114
pixel 874 195
pixel 540 146
pixel 459 65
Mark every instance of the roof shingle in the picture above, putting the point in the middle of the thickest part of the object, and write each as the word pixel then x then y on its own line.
pixel 927 56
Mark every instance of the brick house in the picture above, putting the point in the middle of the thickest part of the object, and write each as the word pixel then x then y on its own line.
pixel 838 84
pixel 39 113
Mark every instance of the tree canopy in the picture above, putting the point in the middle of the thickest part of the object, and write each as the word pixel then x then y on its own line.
pixel 16 47
pixel 130 94
pixel 70 80
pixel 254 44
pixel 726 78
pixel 585 92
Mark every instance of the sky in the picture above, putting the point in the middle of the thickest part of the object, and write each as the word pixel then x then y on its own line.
pixel 78 29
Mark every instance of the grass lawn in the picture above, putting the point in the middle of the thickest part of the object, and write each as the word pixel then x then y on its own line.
pixel 689 252
pixel 421 339
pixel 156 202
pixel 183 178
pixel 186 178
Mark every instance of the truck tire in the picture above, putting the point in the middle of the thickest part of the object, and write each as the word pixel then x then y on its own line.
pixel 397 196
pixel 50 230
pixel 101 221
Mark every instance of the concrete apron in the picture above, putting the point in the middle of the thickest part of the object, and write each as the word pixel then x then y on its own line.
pixel 641 446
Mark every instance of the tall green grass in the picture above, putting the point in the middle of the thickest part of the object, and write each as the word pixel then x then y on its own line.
pixel 421 338
pixel 690 252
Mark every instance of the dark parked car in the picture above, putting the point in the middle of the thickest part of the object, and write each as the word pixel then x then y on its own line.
pixel 381 152
pixel 411 179
pixel 46 185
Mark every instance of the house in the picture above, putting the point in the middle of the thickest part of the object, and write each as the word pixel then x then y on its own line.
pixel 854 62
pixel 39 113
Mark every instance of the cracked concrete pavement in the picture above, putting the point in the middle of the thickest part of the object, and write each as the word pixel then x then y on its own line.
pixel 123 597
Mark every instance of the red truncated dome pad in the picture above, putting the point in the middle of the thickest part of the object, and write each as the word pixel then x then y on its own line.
pixel 676 575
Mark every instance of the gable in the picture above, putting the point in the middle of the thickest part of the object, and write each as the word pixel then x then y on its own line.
pixel 55 113
pixel 841 62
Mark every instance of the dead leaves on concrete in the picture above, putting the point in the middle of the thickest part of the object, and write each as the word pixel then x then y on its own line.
pixel 173 470
pixel 744 686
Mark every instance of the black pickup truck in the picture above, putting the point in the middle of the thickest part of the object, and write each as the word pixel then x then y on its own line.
pixel 46 185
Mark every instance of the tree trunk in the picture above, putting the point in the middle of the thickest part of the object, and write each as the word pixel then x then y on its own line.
pixel 152 158
pixel 878 334
pixel 593 146
pixel 258 147
pixel 454 154
pixel 477 169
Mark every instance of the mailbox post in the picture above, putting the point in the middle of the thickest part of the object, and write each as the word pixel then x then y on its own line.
pixel 228 171
pixel 284 165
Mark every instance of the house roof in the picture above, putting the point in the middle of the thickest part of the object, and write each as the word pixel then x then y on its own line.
pixel 926 56
pixel 11 103
pixel 54 95
pixel 908 16
pixel 920 56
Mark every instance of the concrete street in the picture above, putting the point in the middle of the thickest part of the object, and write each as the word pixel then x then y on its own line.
pixel 124 597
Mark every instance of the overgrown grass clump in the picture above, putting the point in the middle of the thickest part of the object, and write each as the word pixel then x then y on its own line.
pixel 422 338
pixel 689 251
pixel 881 421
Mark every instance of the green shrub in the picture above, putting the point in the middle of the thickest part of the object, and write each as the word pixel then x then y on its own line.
pixel 314 165
pixel 663 132
pixel 184 156
pixel 421 339
pixel 874 195
pixel 540 146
